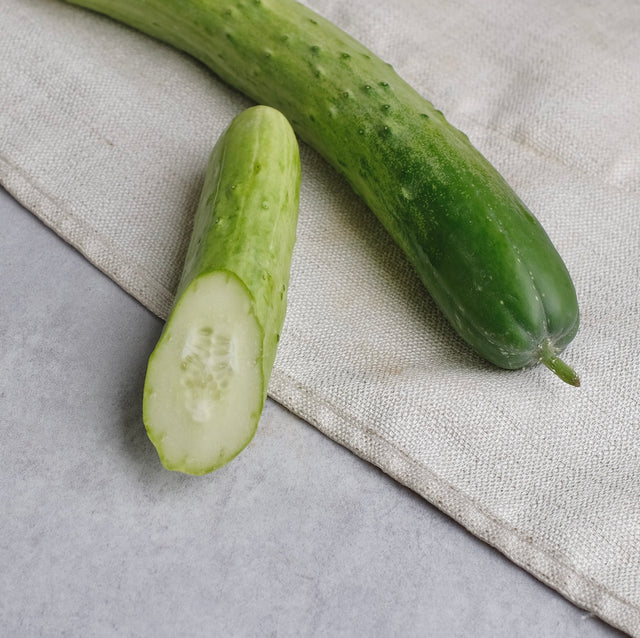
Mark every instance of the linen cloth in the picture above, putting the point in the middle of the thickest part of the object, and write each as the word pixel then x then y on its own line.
pixel 105 134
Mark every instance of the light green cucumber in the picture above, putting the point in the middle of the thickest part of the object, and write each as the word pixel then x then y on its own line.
pixel 207 378
pixel 483 256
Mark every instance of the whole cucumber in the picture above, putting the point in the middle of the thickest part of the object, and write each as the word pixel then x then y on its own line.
pixel 480 252
pixel 207 377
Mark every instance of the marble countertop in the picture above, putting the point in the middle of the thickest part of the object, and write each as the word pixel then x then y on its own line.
pixel 295 537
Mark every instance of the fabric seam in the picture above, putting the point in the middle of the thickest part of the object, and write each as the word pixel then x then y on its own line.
pixel 371 433
pixel 146 278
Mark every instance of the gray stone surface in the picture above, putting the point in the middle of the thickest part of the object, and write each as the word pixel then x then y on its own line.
pixel 295 537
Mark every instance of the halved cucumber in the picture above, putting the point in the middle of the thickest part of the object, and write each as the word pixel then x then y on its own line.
pixel 207 378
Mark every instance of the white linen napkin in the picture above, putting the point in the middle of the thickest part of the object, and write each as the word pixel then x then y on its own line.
pixel 105 134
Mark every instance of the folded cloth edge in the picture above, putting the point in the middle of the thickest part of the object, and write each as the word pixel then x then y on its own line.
pixel 25 189
pixel 522 551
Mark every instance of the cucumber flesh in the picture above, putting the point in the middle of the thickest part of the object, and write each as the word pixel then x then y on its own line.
pixel 203 392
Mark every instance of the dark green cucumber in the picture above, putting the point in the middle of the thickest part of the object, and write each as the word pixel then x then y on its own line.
pixel 483 256
pixel 207 377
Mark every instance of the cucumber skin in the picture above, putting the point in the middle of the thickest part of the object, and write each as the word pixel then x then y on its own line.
pixel 246 220
pixel 484 258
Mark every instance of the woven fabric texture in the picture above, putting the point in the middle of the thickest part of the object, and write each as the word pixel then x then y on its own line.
pixel 105 135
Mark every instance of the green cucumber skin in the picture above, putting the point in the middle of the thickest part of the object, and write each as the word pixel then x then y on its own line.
pixel 246 220
pixel 482 255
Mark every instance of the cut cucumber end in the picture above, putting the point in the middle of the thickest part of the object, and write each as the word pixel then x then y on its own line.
pixel 204 391
pixel 557 365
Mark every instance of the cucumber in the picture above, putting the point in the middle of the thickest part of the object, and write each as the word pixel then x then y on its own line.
pixel 207 377
pixel 483 256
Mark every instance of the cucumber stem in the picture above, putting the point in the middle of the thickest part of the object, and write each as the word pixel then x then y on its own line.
pixel 557 365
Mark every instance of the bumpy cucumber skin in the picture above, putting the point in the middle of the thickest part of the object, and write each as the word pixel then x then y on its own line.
pixel 246 220
pixel 483 256
pixel 245 227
